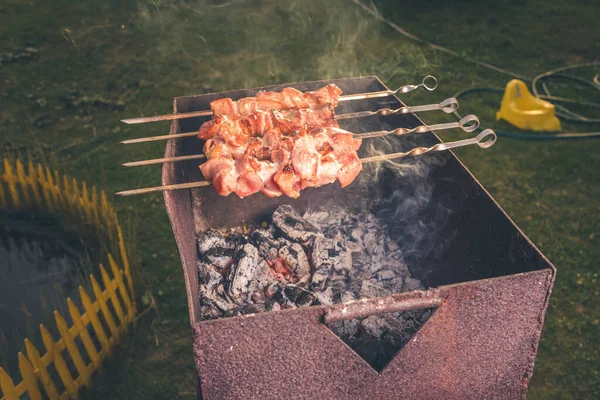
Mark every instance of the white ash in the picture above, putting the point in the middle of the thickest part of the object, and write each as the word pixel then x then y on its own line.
pixel 302 260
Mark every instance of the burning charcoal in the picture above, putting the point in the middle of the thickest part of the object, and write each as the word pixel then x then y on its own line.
pixel 348 296
pixel 375 266
pixel 299 296
pixel 398 267
pixel 343 262
pixel 319 280
pixel 208 309
pixel 370 243
pixel 250 274
pixel 251 308
pixel 320 249
pixel 293 226
pixel 372 289
pixel 412 284
pixel 263 239
pixel 208 276
pixel 345 329
pixel 325 297
pixel 374 326
pixel 212 299
pixel 320 258
pixel 206 240
pixel 317 217
pixel 271 289
pixel 357 235
pixel 215 249
pixel 296 261
pixel 283 300
pixel 386 275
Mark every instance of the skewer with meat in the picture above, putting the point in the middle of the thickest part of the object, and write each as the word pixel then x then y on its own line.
pixel 287 98
pixel 234 132
pixel 277 164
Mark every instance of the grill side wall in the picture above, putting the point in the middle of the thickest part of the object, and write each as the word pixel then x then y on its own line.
pixel 480 343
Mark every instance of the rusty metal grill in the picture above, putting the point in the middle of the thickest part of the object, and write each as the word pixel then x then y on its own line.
pixel 489 285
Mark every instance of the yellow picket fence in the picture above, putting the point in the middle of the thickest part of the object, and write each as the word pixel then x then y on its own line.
pixel 39 189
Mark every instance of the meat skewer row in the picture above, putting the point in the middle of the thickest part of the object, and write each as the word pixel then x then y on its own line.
pixel 287 98
pixel 328 94
pixel 287 159
pixel 448 106
pixel 277 164
pixel 467 124
pixel 484 139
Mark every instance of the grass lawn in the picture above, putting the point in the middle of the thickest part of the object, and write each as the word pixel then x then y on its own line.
pixel 61 105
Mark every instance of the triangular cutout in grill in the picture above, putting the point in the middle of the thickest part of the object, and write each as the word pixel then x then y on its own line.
pixel 378 338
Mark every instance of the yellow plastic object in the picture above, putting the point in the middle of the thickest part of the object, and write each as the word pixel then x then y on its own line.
pixel 525 111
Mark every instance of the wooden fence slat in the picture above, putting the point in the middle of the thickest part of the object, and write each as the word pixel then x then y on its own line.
pixel 41 178
pixel 51 187
pixel 33 184
pixel 23 183
pixel 117 273
pixel 59 362
pixel 94 204
pixel 11 180
pixel 8 387
pixel 29 378
pixel 83 334
pixel 125 261
pixel 66 187
pixel 95 321
pixel 110 321
pixel 104 208
pixel 64 195
pixel 71 346
pixel 34 356
pixel 77 199
pixel 111 290
pixel 2 196
pixel 85 196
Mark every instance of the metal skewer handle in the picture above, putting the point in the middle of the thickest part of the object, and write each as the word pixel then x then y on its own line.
pixel 468 124
pixel 485 139
pixel 429 83
pixel 448 106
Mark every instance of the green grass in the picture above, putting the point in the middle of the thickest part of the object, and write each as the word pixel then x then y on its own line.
pixel 147 52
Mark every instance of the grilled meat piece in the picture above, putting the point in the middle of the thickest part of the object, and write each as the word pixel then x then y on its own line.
pixel 287 98
pixel 236 129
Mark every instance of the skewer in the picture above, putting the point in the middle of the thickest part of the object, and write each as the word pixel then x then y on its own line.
pixel 448 106
pixel 429 83
pixel 163 160
pixel 467 124
pixel 485 139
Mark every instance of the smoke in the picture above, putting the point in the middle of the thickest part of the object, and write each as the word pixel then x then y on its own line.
pixel 407 201
pixel 225 45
